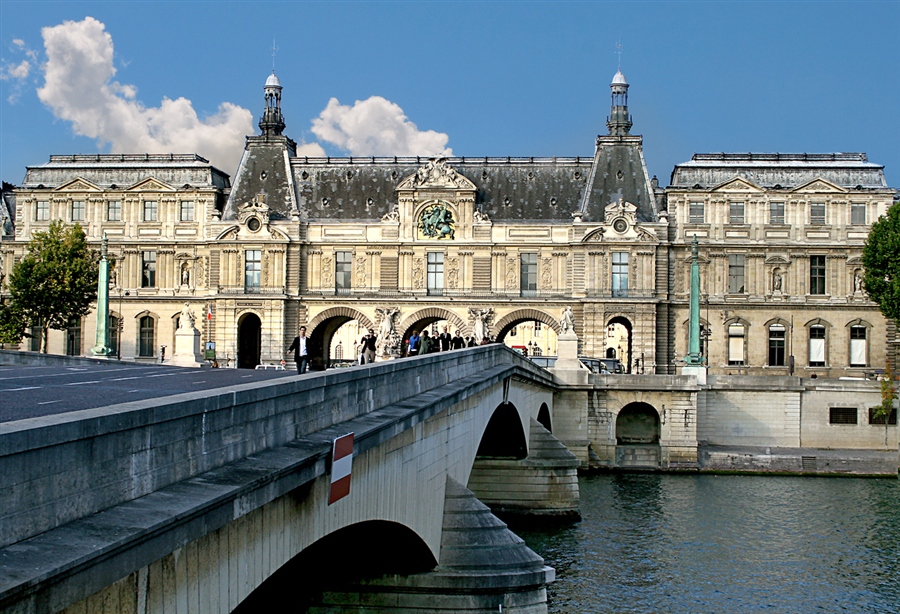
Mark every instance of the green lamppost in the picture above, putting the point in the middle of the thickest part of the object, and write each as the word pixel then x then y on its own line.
pixel 102 339
pixel 694 359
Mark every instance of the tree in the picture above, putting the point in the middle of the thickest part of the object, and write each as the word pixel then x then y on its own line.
pixel 884 410
pixel 55 282
pixel 881 258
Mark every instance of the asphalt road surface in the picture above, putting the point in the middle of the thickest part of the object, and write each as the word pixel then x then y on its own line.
pixel 29 392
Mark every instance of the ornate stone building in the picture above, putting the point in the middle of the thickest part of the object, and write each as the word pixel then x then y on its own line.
pixel 484 244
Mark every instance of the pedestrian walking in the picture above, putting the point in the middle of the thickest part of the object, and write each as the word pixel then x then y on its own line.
pixel 444 340
pixel 413 344
pixel 457 342
pixel 368 347
pixel 300 348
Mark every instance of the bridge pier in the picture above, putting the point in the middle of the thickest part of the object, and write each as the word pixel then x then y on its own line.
pixel 542 485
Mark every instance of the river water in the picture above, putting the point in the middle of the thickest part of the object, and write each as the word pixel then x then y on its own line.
pixel 708 543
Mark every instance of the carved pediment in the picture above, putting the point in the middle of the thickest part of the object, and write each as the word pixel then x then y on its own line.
pixel 150 185
pixel 777 259
pixel 620 209
pixel 737 184
pixel 78 185
pixel 617 232
pixel 436 175
pixel 820 185
pixel 255 208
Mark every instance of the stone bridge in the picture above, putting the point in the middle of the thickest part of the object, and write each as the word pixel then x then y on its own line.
pixel 218 501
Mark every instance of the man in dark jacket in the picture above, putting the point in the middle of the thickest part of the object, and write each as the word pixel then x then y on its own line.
pixel 368 343
pixel 457 342
pixel 300 347
pixel 444 339
pixel 426 344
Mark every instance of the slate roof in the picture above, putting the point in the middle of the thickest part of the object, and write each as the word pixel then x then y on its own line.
pixel 122 170
pixel 770 170
pixel 509 190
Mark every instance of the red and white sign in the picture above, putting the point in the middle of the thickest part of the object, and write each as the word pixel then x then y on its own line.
pixel 341 463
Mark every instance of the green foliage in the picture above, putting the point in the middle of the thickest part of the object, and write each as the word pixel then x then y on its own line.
pixel 881 257
pixel 56 281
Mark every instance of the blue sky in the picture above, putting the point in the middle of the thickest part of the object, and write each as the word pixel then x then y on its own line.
pixel 471 78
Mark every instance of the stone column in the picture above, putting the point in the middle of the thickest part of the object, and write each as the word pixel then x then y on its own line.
pixel 102 337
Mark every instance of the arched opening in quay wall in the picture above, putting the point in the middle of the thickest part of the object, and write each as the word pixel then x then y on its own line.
pixel 637 436
pixel 504 436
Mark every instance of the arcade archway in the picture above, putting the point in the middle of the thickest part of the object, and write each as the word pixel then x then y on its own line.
pixel 619 340
pixel 322 329
pixel 249 341
pixel 529 331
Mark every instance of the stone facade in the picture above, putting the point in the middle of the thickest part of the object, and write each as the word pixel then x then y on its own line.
pixel 481 243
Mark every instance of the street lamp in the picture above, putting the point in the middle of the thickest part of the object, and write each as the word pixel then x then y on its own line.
pixel 120 326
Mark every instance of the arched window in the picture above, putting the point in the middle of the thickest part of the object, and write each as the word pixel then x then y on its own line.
pixel 147 336
pixel 858 350
pixel 817 346
pixel 776 345
pixel 736 344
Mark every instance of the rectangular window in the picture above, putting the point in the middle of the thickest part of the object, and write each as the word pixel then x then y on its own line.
pixel 736 273
pixel 858 214
pixel 620 274
pixel 77 210
pixel 435 273
pixel 817 346
pixel 842 415
pixel 42 211
pixel 817 214
pixel 736 344
pixel 858 346
pixel 148 269
pixel 114 211
pixel 537 328
pixel 736 213
pixel 528 272
pixel 151 211
pixel 343 265
pixel 776 345
pixel 891 418
pixel 252 267
pixel 817 274
pixel 696 213
pixel 776 213
pixel 187 211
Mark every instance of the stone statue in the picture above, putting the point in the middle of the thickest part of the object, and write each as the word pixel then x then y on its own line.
pixel 186 321
pixel 113 275
pixel 857 281
pixel 776 280
pixel 567 321
pixel 185 274
pixel 386 328
pixel 480 317
pixel 388 341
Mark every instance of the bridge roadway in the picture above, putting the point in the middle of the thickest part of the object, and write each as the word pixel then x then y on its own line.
pixel 101 503
pixel 31 391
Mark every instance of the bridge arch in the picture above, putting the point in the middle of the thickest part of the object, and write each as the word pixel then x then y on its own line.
pixel 355 552
pixel 504 435
pixel 543 417
pixel 508 321
pixel 322 327
pixel 637 423
pixel 424 317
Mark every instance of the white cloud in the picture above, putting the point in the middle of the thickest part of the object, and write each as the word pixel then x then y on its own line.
pixel 313 150
pixel 376 127
pixel 78 88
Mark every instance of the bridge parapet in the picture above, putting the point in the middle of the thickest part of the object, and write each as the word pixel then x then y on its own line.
pixel 59 468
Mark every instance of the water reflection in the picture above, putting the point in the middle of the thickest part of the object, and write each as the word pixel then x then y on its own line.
pixel 651 543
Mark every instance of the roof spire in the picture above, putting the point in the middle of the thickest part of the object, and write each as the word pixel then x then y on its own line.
pixel 619 53
pixel 619 122
pixel 274 49
pixel 272 122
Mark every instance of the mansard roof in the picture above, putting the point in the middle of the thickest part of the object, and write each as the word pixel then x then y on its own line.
pixel 507 189
pixel 120 170
pixel 778 170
